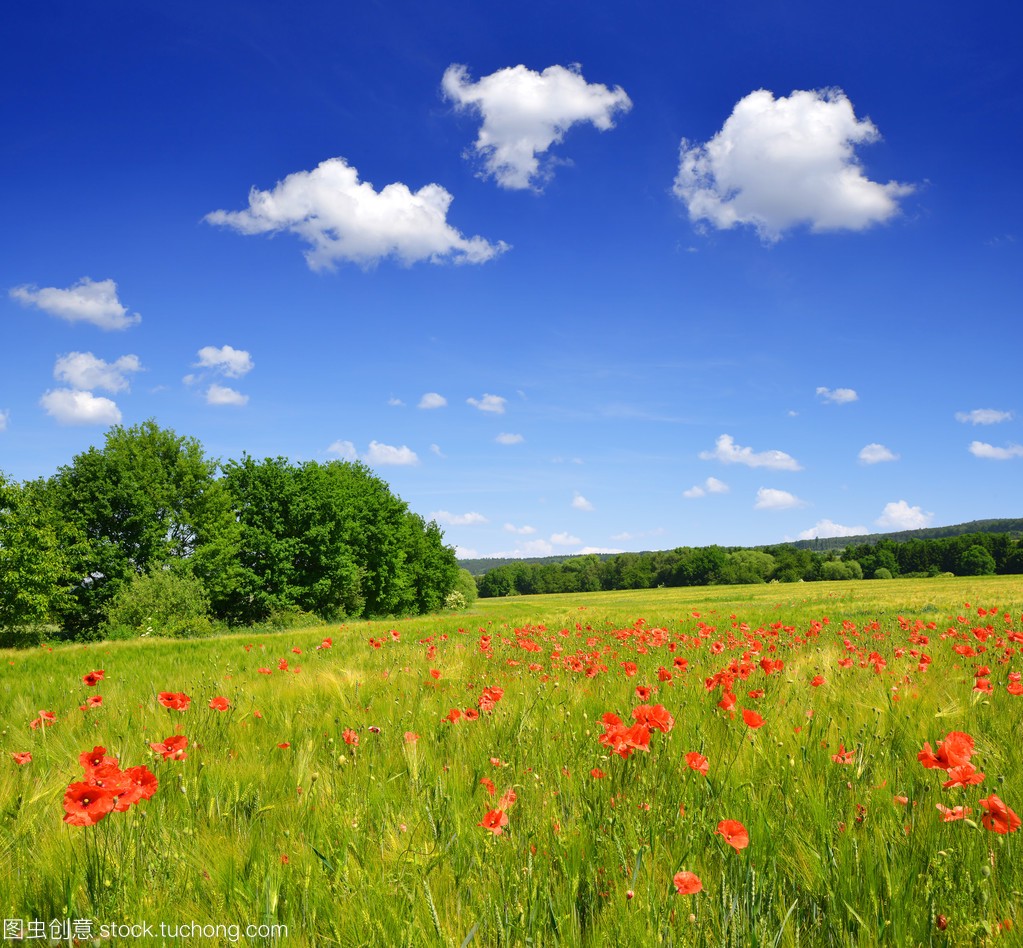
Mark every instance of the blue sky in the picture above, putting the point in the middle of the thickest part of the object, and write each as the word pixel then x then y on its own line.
pixel 569 277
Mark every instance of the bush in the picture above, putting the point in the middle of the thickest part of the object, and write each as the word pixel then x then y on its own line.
pixel 839 569
pixel 882 573
pixel 160 603
pixel 455 601
pixel 465 583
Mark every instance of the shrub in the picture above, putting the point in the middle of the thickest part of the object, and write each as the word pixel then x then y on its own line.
pixel 465 583
pixel 455 601
pixel 161 603
pixel 882 573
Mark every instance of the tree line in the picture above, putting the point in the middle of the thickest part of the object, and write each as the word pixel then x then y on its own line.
pixel 966 555
pixel 149 518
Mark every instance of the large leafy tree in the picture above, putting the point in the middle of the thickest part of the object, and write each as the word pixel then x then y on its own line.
pixel 34 556
pixel 148 499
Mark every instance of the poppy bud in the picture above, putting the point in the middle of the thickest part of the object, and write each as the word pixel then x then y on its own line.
pixel 941 922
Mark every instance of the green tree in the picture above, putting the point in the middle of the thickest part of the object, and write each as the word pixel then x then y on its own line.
pixel 747 566
pixel 975 561
pixel 34 560
pixel 146 500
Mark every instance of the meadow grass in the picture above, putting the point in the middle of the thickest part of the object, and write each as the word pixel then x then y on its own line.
pixel 275 818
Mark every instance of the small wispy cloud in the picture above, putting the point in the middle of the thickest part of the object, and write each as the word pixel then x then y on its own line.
pixel 506 438
pixel 581 503
pixel 728 452
pixel 491 403
pixel 876 454
pixel 432 400
pixel 446 517
pixel 983 416
pixel 837 396
pixel 769 498
pixel 980 449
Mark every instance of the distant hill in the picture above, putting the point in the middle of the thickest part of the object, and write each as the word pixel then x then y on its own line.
pixel 480 566
pixel 1014 527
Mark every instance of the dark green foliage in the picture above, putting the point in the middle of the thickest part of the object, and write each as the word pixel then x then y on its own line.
pixel 330 539
pixel 146 500
pixel 976 561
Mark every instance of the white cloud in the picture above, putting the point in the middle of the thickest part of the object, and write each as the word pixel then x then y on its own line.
pixel 710 486
pixel 768 498
pixel 222 395
pixel 564 539
pixel 525 530
pixel 525 113
pixel 432 400
pixel 586 550
pixel 87 301
pixel 395 402
pixel 581 503
pixel 5 417
pixel 234 363
pixel 980 449
pixel 900 516
pixel 728 452
pixel 492 403
pixel 435 449
pixel 983 416
pixel 466 553
pixel 778 163
pixel 828 528
pixel 837 396
pixel 83 370
pixel 639 534
pixel 70 407
pixel 388 454
pixel 458 520
pixel 344 449
pixel 876 454
pixel 529 548
pixel 506 438
pixel 344 219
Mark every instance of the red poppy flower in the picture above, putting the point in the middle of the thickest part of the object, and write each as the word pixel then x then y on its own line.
pixel 697 762
pixel 470 714
pixel 954 750
pixel 109 777
pixel 999 818
pixel 643 692
pixel 97 757
pixel 142 785
pixel 507 800
pixel 284 745
pixel 453 715
pixel 220 703
pixel 86 804
pixel 752 719
pixel 93 677
pixel 687 883
pixel 172 748
pixel 733 833
pixel 175 700
pixel 597 773
pixel 727 701
pixel 964 775
pixel 45 719
pixel 495 821
pixel 656 718
pixel 25 758
pixel 843 756
pixel 951 814
pixel 411 737
pixel 489 784
pixel 93 701
pixel 817 681
pixel 435 673
pixel 350 737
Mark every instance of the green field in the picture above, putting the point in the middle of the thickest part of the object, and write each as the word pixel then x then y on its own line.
pixel 308 805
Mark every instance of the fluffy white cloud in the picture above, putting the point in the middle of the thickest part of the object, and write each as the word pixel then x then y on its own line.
pixel 837 396
pixel 710 486
pixel 828 528
pixel 529 548
pixel 525 113
pixel 71 407
pixel 386 454
pixel 345 450
pixel 458 520
pixel 507 438
pixel 83 370
pixel 900 516
pixel 768 498
pixel 525 530
pixel 564 539
pixel 492 403
pixel 87 301
pixel 586 550
pixel 875 453
pixel 581 503
pixel 234 363
pixel 983 416
pixel 778 163
pixel 728 452
pixel 344 219
pixel 223 395
pixel 466 553
pixel 432 400
pixel 980 449
pixel 5 417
